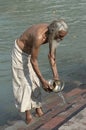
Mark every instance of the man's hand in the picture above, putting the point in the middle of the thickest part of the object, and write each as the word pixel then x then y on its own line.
pixel 46 86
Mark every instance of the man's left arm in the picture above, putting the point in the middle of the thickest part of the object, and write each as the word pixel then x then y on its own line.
pixel 52 59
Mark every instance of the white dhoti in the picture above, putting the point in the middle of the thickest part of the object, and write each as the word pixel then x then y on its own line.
pixel 26 85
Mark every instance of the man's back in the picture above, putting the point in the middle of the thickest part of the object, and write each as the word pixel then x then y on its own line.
pixel 35 35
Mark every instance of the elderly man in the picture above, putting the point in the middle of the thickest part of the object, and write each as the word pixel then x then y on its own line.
pixel 27 77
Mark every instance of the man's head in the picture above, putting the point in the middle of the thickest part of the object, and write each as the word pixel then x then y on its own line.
pixel 57 30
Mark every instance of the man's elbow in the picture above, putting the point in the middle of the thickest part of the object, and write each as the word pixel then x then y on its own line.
pixel 33 61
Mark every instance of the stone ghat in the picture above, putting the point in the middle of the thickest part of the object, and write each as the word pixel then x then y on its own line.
pixel 57 112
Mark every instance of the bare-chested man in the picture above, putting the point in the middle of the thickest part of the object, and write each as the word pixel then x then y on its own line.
pixel 27 77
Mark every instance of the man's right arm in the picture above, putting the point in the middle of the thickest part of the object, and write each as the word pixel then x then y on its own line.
pixel 34 62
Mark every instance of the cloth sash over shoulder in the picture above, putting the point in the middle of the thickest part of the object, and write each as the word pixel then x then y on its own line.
pixel 26 84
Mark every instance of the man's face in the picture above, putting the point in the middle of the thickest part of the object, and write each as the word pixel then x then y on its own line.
pixel 60 35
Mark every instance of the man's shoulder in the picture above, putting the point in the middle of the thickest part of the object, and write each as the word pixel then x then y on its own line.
pixel 40 25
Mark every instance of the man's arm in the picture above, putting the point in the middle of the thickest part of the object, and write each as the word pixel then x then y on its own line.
pixel 34 62
pixel 52 59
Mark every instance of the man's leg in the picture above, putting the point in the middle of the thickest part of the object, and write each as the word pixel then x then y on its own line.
pixel 28 116
pixel 39 112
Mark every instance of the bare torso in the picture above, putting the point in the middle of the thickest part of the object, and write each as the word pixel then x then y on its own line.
pixel 33 35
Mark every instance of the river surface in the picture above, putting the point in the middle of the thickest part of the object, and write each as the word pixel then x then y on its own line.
pixel 18 15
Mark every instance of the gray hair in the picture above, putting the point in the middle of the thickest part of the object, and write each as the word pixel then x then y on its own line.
pixel 62 26
pixel 53 29
pixel 57 26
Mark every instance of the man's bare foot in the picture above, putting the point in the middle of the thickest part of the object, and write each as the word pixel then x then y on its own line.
pixel 28 117
pixel 39 112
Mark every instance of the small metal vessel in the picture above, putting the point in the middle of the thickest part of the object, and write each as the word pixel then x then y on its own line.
pixel 56 85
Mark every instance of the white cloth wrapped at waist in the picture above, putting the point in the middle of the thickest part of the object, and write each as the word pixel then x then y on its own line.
pixel 26 84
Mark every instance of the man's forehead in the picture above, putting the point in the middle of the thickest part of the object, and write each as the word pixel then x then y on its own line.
pixel 62 33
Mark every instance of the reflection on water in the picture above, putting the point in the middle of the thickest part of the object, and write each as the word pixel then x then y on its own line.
pixel 16 16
